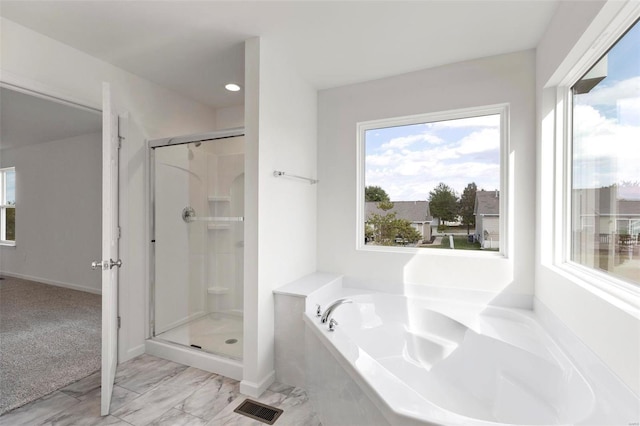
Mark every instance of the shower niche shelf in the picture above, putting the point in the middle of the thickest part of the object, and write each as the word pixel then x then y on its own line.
pixel 218 226
pixel 217 290
pixel 219 198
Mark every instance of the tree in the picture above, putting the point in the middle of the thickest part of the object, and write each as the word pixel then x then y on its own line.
pixel 375 193
pixel 405 232
pixel 383 228
pixel 443 203
pixel 387 229
pixel 382 224
pixel 466 205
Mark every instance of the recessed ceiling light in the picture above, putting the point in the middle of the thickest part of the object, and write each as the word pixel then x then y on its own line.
pixel 232 87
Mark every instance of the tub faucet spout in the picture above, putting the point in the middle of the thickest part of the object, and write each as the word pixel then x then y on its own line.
pixel 327 313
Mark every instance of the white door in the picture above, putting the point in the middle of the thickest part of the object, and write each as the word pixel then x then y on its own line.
pixel 110 263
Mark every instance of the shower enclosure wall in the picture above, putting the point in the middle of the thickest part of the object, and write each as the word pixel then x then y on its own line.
pixel 198 243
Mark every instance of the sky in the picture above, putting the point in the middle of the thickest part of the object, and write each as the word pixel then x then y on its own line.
pixel 410 161
pixel 11 187
pixel 606 147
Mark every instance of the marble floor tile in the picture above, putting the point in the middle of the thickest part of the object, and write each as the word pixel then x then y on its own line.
pixel 38 411
pixel 175 417
pixel 86 413
pixel 281 388
pixel 211 398
pixel 145 372
pixel 83 386
pixel 119 397
pixel 298 410
pixel 150 406
pixel 169 394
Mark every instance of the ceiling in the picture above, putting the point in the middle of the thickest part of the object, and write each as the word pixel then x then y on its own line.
pixel 195 47
pixel 28 120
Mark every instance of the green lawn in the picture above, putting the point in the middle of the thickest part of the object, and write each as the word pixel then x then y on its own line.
pixel 459 243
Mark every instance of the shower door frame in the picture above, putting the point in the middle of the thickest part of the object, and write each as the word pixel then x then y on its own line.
pixel 152 145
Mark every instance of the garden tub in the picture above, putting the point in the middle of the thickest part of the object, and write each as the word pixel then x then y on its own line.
pixel 396 360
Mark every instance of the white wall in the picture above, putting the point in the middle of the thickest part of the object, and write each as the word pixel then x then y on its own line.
pixel 487 81
pixel 280 233
pixel 606 324
pixel 40 63
pixel 230 117
pixel 59 212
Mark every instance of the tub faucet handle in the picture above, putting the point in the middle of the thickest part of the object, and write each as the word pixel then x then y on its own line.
pixel 332 324
pixel 318 310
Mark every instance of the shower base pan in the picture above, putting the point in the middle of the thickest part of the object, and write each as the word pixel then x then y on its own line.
pixel 216 333
pixel 194 358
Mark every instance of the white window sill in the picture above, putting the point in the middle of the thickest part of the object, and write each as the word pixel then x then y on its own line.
pixel 8 243
pixel 432 251
pixel 619 293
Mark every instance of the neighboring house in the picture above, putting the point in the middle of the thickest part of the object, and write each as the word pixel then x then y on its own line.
pixel 487 213
pixel 416 212
pixel 608 220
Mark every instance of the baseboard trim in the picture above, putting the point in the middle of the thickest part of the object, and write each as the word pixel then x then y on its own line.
pixel 253 389
pixel 132 353
pixel 52 282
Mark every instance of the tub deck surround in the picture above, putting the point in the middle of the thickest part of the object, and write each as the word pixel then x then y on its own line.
pixel 290 304
pixel 425 361
pixel 320 285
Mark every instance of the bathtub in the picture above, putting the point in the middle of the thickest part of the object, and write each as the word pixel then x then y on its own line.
pixel 400 361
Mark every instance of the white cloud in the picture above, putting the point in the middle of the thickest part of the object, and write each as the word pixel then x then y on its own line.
pixel 481 141
pixel 606 151
pixel 629 111
pixel 410 174
pixel 406 141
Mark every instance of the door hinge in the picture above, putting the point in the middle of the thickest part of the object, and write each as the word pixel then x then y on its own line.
pixel 120 137
pixel 119 322
pixel 119 232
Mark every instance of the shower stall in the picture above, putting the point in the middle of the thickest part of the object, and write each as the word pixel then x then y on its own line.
pixel 197 243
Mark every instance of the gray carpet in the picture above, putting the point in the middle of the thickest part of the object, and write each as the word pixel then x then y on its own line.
pixel 49 337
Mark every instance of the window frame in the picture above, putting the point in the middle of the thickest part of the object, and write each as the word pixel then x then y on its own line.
pixel 608 36
pixel 505 199
pixel 4 206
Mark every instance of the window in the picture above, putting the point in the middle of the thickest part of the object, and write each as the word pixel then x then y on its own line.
pixel 8 206
pixel 433 181
pixel 605 163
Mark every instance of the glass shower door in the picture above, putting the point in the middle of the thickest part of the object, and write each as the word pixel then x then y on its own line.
pixel 199 245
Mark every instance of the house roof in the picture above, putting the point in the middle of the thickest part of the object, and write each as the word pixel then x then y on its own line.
pixel 414 211
pixel 487 203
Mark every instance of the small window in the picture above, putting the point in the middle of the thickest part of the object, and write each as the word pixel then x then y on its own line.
pixel 605 163
pixel 8 206
pixel 433 181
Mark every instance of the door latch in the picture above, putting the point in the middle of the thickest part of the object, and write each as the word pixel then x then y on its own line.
pixel 106 264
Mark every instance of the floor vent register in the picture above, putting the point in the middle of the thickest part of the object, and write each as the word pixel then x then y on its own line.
pixel 258 411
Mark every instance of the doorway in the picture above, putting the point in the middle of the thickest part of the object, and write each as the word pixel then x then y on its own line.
pixel 51 302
